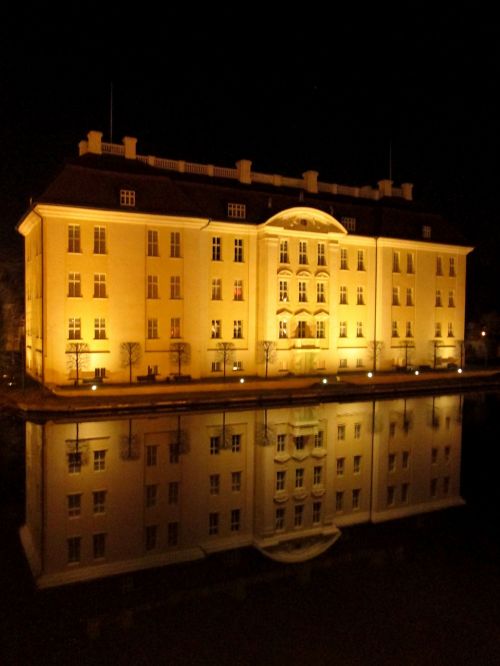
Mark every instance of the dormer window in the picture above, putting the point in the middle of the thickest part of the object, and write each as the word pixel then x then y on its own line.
pixel 349 223
pixel 236 211
pixel 127 198
pixel 426 231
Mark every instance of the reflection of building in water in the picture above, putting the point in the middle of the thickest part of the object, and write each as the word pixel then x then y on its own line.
pixel 105 497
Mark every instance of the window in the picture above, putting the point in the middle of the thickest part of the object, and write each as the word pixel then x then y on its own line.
pixel 317 475
pixel 452 272
pixel 433 487
pixel 74 462
pixel 214 484
pixel 409 331
pixel 302 252
pixel 151 456
pixel 216 366
pixel 316 513
pixel 357 430
pixel 236 443
pixel 237 328
pixel 405 460
pixel 74 544
pixel 299 442
pixel 320 329
pixel 151 536
pixel 395 262
pixel 75 328
pixel 343 259
pixel 438 298
pixel 410 263
pixel 280 519
pixel 302 292
pixel 391 462
pixel 235 520
pixel 391 493
pixel 151 495
pixel 426 231
pixel 395 333
pixel 74 238
pixel 343 295
pixel 320 293
pixel 341 431
pixel 301 329
pixel 99 329
pixel 175 244
pixel 392 428
pixel 99 285
pixel 216 329
pixel 395 295
pixel 340 466
pixel 153 243
pixel 409 296
pixel 172 534
pixel 74 285
pixel 283 330
pixel 236 482
pixel 437 330
pixel 298 515
pixel 216 248
pixel 359 329
pixel 152 286
pixel 356 464
pixel 284 259
pixel 356 498
pixel 238 250
pixel 99 240
pixel 343 329
pixel 99 461
pixel 280 480
pixel 349 223
pixel 450 330
pixel 318 439
pixel 238 290
pixel 451 298
pixel 237 211
pixel 173 492
pixel 439 265
pixel 359 363
pixel 361 260
pixel 175 287
pixel 360 298
pixel 152 329
pixel 343 363
pixel 299 477
pixel 213 523
pixel 339 500
pixel 283 290
pixel 405 488
pixel 216 289
pixel 321 254
pixel 127 198
pixel 281 443
pixel 447 451
pixel 175 327
pixel 74 505
pixel 214 445
pixel 99 497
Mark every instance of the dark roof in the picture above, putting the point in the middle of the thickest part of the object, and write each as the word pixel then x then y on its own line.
pixel 95 181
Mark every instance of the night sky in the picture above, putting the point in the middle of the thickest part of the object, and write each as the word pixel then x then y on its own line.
pixel 337 91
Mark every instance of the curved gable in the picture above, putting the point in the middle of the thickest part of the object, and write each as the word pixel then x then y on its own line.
pixel 303 218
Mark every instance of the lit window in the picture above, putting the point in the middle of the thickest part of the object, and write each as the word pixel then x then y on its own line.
pixel 360 298
pixel 74 505
pixel 153 243
pixel 356 464
pixel 75 328
pixel 172 534
pixel 283 330
pixel 152 286
pixel 238 250
pixel 99 240
pixel 343 259
pixel 127 198
pixel 284 259
pixel 302 252
pixel 316 513
pixel 74 238
pixel 74 544
pixel 175 244
pixel 238 290
pixel 237 328
pixel 175 327
pixel 216 366
pixel 343 329
pixel 359 329
pixel 320 293
pixel 213 524
pixel 237 211
pixel 173 492
pixel 151 495
pixel 216 328
pixel 152 329
pixel 99 329
pixel 99 501
pixel 302 292
pixel 99 461
pixel 175 287
pixel 283 290
pixel 216 248
pixel 343 295
pixel 395 262
pixel 214 445
pixel 321 254
pixel 151 456
pixel 236 482
pixel 320 329
pixel 216 289
pixel 214 484
pixel 74 285
pixel 235 520
pixel 361 260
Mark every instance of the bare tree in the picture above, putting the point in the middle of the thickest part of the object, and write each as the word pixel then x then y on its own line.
pixel 407 345
pixel 375 348
pixel 267 353
pixel 77 358
pixel 225 352
pixel 180 353
pixel 131 353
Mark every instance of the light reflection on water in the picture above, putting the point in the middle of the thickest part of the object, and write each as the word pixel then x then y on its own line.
pixel 120 495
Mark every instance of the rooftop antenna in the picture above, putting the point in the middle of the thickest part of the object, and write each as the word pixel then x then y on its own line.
pixel 111 113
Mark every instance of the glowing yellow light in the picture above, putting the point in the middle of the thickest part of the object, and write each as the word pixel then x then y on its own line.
pixel 324 380
pixel 459 371
pixel 370 375
pixel 242 381
pixel 94 387
pixel 417 372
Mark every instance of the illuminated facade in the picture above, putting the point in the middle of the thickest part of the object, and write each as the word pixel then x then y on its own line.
pixel 199 265
pixel 110 496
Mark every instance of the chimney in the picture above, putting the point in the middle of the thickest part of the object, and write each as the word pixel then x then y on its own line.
pixel 407 191
pixel 385 187
pixel 311 181
pixel 130 143
pixel 244 171
pixel 94 142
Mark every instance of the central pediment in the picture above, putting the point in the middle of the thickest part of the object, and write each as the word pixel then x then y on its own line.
pixel 306 219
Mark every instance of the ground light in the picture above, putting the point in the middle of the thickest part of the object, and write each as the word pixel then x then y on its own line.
pixel 417 372
pixel 370 375
pixel 324 380
pixel 459 371
pixel 242 381
pixel 94 387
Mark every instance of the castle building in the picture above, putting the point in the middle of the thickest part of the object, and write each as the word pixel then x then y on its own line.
pixel 209 271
